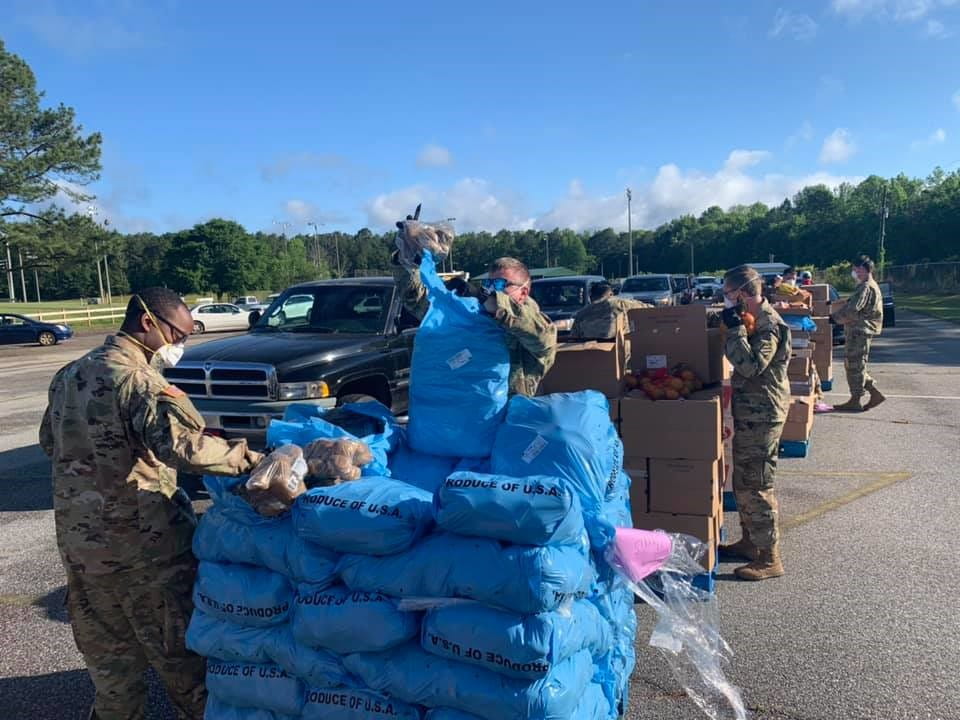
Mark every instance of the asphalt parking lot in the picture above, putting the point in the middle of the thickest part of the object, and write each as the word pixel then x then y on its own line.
pixel 863 626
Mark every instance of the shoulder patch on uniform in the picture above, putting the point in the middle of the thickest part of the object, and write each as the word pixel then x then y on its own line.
pixel 173 391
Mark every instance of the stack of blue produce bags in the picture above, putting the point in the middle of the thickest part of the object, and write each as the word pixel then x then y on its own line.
pixel 461 577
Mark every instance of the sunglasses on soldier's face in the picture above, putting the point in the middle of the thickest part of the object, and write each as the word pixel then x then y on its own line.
pixel 180 337
pixel 499 284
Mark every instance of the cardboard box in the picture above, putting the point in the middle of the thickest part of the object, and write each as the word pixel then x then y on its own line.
pixel 664 337
pixel 799 368
pixel 823 360
pixel 699 526
pixel 587 366
pixel 795 310
pixel 801 410
pixel 687 429
pixel 688 487
pixel 820 292
pixel 636 468
pixel 822 308
pixel 803 388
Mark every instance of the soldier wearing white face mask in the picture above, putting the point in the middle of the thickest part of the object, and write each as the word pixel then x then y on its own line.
pixel 117 433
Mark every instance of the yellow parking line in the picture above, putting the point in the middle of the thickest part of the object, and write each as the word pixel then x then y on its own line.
pixel 20 600
pixel 883 480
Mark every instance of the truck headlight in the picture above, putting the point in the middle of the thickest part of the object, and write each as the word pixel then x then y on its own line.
pixel 563 325
pixel 304 390
pixel 663 301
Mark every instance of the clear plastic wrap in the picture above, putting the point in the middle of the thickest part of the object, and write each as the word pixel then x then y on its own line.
pixel 414 236
pixel 659 567
pixel 331 461
pixel 277 481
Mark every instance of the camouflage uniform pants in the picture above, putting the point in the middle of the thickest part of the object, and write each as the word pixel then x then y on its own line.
pixel 756 447
pixel 122 623
pixel 855 363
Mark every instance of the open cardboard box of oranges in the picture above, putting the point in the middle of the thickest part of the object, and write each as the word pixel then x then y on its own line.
pixel 661 384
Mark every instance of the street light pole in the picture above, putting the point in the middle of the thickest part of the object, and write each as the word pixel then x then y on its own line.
pixel 23 281
pixel 630 229
pixel 13 296
pixel 884 214
pixel 547 238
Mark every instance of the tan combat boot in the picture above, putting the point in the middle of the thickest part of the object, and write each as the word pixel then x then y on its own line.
pixel 741 549
pixel 876 397
pixel 766 566
pixel 851 405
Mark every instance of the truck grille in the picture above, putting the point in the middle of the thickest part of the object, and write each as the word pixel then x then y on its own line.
pixel 238 381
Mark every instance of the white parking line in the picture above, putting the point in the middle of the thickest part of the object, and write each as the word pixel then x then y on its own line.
pixel 906 397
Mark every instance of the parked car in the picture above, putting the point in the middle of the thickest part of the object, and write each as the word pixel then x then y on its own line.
pixel 246 302
pixel 216 317
pixel 708 288
pixel 889 308
pixel 658 290
pixel 21 330
pixel 323 343
pixel 560 299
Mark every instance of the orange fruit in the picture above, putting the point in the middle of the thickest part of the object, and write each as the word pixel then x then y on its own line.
pixel 671 394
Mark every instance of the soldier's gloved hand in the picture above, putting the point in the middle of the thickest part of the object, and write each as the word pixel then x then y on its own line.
pixel 731 317
pixel 490 303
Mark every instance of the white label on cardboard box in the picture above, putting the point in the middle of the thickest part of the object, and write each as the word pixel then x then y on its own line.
pixel 656 362
pixel 535 447
pixel 460 359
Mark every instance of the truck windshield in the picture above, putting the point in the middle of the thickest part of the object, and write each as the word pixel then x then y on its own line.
pixel 358 309
pixel 646 284
pixel 559 294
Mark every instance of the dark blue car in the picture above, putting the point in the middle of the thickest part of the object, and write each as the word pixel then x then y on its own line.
pixel 20 330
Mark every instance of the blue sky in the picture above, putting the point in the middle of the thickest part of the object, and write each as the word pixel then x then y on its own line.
pixel 501 114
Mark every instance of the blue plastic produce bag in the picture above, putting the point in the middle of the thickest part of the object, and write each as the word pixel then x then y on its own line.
pixel 799 323
pixel 518 578
pixel 521 646
pixel 346 621
pixel 374 516
pixel 593 706
pixel 533 510
pixel 217 709
pixel 233 532
pixel 346 703
pixel 304 423
pixel 250 685
pixel 459 375
pixel 414 676
pixel 243 594
pixel 210 637
pixel 569 436
pixel 423 471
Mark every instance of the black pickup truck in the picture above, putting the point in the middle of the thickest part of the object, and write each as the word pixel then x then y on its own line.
pixel 323 343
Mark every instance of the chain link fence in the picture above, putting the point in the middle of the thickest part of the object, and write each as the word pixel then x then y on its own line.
pixel 925 278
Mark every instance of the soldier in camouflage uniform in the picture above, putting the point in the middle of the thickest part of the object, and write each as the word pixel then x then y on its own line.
pixel 862 320
pixel 117 432
pixel 530 336
pixel 602 318
pixel 761 399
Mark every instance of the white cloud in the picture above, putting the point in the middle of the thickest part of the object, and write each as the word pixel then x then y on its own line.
pixel 804 134
pixel 838 147
pixel 798 26
pixel 475 203
pixel 303 212
pixel 937 29
pixel 109 26
pixel 937 137
pixel 434 156
pixel 898 10
pixel 478 205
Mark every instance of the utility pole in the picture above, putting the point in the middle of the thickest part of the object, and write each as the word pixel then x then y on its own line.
pixel 884 214
pixel 13 297
pixel 23 282
pixel 36 283
pixel 630 229
pixel 92 211
pixel 316 241
pixel 547 238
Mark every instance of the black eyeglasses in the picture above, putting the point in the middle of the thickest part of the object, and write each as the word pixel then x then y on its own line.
pixel 181 337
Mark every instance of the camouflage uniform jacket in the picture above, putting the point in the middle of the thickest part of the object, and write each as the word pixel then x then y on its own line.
pixel 117 432
pixel 530 336
pixel 599 320
pixel 863 311
pixel 761 389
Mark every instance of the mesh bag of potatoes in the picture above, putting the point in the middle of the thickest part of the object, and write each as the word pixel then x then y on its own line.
pixel 277 481
pixel 333 461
